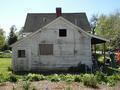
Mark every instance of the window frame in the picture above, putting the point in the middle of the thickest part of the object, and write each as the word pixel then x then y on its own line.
pixel 62 32
pixel 20 53
pixel 44 53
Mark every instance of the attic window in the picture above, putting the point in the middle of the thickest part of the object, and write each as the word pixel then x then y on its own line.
pixel 21 53
pixel 62 32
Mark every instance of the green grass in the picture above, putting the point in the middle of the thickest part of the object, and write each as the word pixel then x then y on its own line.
pixel 4 64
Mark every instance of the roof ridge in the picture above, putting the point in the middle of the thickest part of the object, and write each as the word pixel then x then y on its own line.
pixel 62 13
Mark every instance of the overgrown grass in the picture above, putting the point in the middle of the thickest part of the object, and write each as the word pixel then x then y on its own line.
pixel 5 55
pixel 91 80
pixel 4 64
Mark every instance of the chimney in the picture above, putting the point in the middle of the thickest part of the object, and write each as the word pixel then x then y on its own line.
pixel 58 12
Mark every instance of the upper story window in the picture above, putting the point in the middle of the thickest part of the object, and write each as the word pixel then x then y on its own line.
pixel 21 53
pixel 62 32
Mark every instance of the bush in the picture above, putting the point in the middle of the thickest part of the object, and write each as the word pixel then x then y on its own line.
pixel 80 68
pixel 1 78
pixel 35 77
pixel 26 85
pixel 10 68
pixel 78 78
pixel 55 78
pixel 5 55
pixel 89 80
pixel 101 77
pixel 111 81
pixel 69 78
pixel 12 78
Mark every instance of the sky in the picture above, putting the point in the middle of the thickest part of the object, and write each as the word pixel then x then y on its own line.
pixel 13 12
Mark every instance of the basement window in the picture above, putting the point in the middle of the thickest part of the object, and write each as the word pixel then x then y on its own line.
pixel 62 32
pixel 21 53
pixel 46 49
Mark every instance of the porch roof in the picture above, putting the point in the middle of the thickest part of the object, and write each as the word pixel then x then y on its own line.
pixel 98 40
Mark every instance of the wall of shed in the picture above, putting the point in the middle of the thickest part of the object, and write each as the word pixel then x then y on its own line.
pixel 68 51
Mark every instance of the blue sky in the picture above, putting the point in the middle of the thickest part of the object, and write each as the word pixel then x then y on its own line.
pixel 13 12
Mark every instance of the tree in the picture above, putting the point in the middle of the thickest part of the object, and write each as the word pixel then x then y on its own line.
pixel 12 38
pixel 109 27
pixel 20 33
pixel 2 38
pixel 93 22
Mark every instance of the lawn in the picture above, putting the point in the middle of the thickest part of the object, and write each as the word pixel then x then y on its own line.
pixel 56 81
pixel 4 64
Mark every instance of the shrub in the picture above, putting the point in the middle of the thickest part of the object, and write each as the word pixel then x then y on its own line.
pixel 89 80
pixel 78 78
pixel 1 78
pixel 12 78
pixel 5 55
pixel 69 78
pixel 101 77
pixel 80 68
pixel 111 81
pixel 55 78
pixel 10 68
pixel 26 85
pixel 35 77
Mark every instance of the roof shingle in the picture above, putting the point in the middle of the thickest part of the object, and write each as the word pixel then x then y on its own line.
pixel 35 21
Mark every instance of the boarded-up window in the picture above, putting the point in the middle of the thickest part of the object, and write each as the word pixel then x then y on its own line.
pixel 46 49
pixel 21 53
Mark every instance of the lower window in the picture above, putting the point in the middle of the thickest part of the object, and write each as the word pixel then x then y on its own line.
pixel 21 53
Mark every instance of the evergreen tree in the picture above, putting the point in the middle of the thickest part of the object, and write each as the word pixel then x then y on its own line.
pixel 12 38
pixel 2 38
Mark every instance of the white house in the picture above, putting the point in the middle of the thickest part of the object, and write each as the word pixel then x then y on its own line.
pixel 54 42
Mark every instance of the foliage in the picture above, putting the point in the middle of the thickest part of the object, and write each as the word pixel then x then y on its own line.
pixel 89 80
pixel 12 38
pixel 26 85
pixel 12 78
pixel 35 77
pixel 78 78
pixel 111 80
pixel 54 78
pixel 10 68
pixel 1 78
pixel 101 77
pixel 109 77
pixel 69 78
pixel 109 27
pixel 80 68
pixel 4 64
pixel 68 88
pixel 5 55
pixel 2 38
pixel 93 23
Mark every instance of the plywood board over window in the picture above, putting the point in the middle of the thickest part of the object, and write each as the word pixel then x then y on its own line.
pixel 46 49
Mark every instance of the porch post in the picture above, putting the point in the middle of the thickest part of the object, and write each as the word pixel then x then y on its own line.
pixel 95 48
pixel 104 51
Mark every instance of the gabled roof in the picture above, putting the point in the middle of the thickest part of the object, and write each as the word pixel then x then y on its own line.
pixel 66 21
pixel 34 21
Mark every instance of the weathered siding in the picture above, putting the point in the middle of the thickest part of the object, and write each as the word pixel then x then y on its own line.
pixel 67 51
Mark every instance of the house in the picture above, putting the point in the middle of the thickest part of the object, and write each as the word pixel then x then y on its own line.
pixel 54 41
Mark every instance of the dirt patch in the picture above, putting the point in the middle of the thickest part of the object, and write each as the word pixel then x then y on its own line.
pixel 47 85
